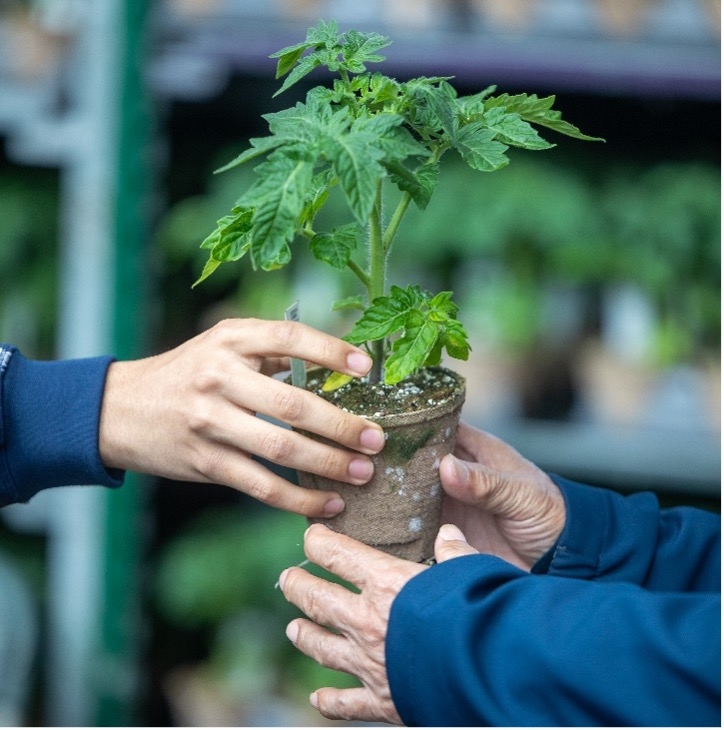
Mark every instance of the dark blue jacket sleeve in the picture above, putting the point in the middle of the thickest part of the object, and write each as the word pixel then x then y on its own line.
pixel 623 630
pixel 609 537
pixel 49 422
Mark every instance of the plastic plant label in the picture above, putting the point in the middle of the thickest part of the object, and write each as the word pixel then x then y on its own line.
pixel 299 371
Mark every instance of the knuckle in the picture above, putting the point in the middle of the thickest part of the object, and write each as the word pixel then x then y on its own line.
pixel 277 446
pixel 341 428
pixel 310 504
pixel 261 489
pixel 289 404
pixel 336 706
pixel 315 600
pixel 211 464
pixel 284 333
pixel 325 707
pixel 331 351
pixel 328 544
pixel 208 378
pixel 223 331
pixel 330 464
pixel 200 417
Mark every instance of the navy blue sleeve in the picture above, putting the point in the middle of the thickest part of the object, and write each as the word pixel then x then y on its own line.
pixel 475 641
pixel 624 629
pixel 609 537
pixel 49 422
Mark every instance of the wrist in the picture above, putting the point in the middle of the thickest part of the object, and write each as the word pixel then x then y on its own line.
pixel 117 422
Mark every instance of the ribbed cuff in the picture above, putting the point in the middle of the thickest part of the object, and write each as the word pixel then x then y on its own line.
pixel 50 416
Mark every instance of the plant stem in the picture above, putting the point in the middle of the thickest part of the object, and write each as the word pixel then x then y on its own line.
pixel 377 276
pixel 395 221
pixel 359 273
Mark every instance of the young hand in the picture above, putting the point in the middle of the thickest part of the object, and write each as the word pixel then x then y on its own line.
pixel 190 414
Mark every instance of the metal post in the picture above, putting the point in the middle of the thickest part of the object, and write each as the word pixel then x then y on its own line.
pixel 125 529
pixel 75 515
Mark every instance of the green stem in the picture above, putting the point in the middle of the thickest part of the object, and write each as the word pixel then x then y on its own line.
pixel 377 249
pixel 359 273
pixel 377 277
pixel 404 203
pixel 395 221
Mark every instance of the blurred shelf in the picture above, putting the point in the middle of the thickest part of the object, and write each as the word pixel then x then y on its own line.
pixel 197 46
pixel 681 462
pixel 676 55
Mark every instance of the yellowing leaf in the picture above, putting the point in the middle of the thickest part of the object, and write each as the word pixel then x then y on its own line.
pixel 334 381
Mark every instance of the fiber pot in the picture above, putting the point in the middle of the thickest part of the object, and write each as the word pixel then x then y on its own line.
pixel 398 510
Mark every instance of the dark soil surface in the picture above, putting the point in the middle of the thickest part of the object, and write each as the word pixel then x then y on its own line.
pixel 427 388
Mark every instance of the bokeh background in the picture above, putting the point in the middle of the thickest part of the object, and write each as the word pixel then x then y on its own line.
pixel 588 276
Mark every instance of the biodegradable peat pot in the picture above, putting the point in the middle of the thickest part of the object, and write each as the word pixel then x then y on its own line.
pixel 398 510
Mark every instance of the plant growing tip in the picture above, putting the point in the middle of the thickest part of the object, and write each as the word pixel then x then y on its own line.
pixel 365 134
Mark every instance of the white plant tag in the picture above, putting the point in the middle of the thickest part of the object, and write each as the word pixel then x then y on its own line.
pixel 299 371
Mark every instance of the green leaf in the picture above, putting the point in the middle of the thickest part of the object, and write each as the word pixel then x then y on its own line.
pixel 279 199
pixel 471 107
pixel 399 144
pixel 378 90
pixel 322 34
pixel 289 58
pixel 230 236
pixel 455 339
pixel 434 357
pixel 308 122
pixel 357 167
pixel 229 241
pixel 361 48
pixel 434 105
pixel 538 111
pixel 323 38
pixel 477 145
pixel 425 325
pixel 419 184
pixel 314 204
pixel 259 146
pixel 335 248
pixel 412 349
pixel 305 66
pixel 386 315
pixel 356 302
pixel 513 130
pixel 209 268
pixel 442 306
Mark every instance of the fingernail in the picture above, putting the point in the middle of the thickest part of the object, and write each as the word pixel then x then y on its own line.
pixel 292 632
pixel 333 507
pixel 359 363
pixel 372 439
pixel 361 469
pixel 462 473
pixel 282 578
pixel 451 532
pixel 314 701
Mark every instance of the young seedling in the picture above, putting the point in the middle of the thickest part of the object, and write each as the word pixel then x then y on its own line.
pixel 367 133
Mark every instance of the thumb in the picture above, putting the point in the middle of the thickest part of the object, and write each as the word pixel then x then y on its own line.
pixel 451 543
pixel 474 484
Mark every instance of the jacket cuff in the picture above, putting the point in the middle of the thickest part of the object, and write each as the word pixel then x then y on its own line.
pixel 604 533
pixel 49 424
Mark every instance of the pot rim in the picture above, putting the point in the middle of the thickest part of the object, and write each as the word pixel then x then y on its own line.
pixel 428 412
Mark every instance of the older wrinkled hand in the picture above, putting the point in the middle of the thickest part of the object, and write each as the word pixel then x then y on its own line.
pixel 345 630
pixel 505 504
pixel 190 414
